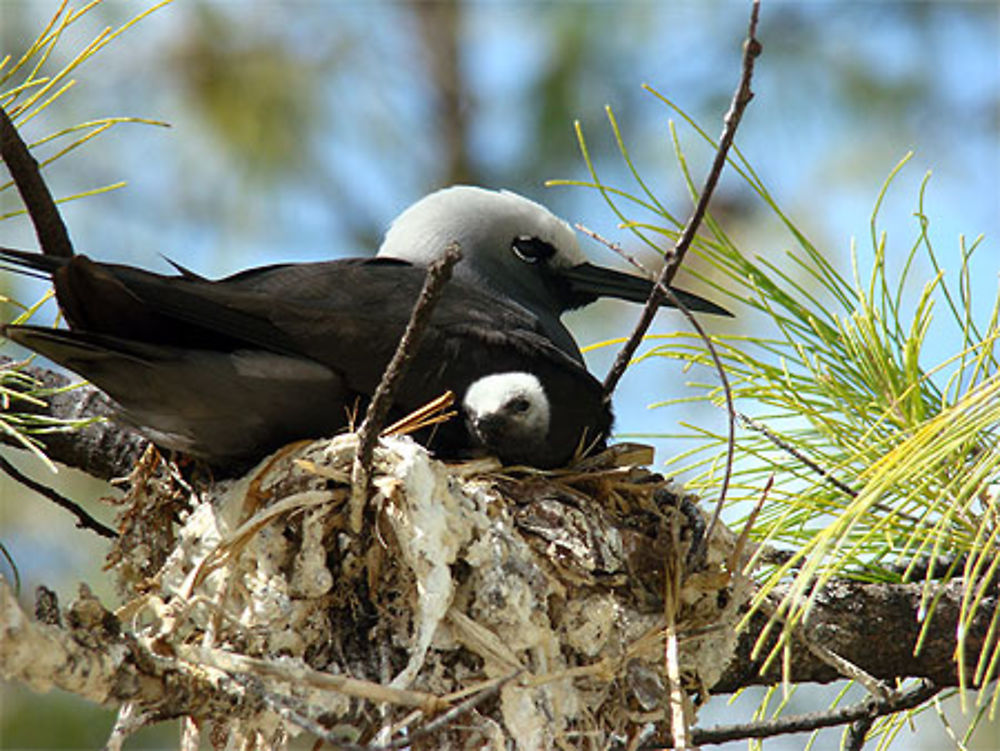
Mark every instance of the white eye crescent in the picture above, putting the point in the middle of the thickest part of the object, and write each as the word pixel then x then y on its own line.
pixel 532 249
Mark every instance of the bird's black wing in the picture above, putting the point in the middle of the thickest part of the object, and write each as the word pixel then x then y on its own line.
pixel 347 316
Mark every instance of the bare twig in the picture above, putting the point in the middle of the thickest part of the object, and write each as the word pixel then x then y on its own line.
pixel 824 473
pixel 899 701
pixel 696 555
pixel 295 712
pixel 680 730
pixel 83 519
pixel 5 554
pixel 857 733
pixel 741 542
pixel 789 449
pixel 301 714
pixel 300 674
pixel 457 711
pixel 53 238
pixel 674 257
pixel 190 735
pixel 129 721
pixel 438 275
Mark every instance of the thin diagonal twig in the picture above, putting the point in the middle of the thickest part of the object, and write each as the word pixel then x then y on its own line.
pixel 813 466
pixel 778 441
pixel 870 708
pixel 438 275
pixel 83 519
pixel 695 556
pixel 675 256
pixel 456 711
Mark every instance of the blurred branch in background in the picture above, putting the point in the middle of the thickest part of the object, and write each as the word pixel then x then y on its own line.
pixel 439 25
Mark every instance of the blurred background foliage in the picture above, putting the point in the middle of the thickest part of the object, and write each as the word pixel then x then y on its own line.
pixel 299 129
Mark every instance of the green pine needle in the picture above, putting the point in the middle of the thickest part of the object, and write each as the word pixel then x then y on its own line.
pixel 841 375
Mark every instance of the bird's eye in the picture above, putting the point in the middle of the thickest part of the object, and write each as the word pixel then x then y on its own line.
pixel 519 405
pixel 532 249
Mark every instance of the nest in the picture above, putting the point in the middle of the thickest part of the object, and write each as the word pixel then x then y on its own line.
pixel 477 606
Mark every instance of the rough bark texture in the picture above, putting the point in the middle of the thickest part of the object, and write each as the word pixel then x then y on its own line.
pixel 88 654
pixel 876 627
pixel 873 625
pixel 103 449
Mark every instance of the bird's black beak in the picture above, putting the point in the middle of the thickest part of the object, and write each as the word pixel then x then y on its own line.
pixel 587 282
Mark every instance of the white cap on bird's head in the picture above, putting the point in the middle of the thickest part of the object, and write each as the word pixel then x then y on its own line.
pixel 508 414
pixel 517 249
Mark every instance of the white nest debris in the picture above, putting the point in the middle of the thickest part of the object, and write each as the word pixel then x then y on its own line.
pixel 543 593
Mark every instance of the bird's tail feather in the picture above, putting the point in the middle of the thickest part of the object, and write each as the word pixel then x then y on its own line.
pixel 30 263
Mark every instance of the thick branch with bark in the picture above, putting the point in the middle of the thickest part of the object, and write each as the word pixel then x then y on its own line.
pixel 874 626
pixel 576 561
pixel 102 449
pixel 92 657
pixel 470 574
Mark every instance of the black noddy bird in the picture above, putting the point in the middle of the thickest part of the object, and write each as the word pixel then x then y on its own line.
pixel 229 370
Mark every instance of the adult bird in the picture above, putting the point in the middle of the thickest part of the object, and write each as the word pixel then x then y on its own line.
pixel 521 251
pixel 229 370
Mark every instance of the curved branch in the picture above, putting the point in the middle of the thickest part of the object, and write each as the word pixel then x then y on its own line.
pixel 674 256
pixel 864 713
pixel 83 519
pixel 53 237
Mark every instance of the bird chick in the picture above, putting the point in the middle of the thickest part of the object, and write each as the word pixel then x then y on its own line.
pixel 508 415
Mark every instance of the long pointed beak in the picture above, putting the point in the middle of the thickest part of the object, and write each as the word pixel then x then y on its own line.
pixel 588 281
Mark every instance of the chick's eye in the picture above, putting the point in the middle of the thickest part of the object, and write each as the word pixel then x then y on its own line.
pixel 519 405
pixel 532 249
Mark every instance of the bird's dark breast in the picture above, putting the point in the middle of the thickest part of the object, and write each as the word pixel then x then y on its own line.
pixel 472 334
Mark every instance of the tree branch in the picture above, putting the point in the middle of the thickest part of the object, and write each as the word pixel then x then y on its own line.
pixel 675 256
pixel 102 449
pixel 53 238
pixel 438 275
pixel 554 522
pixel 874 626
pixel 696 554
pixel 83 519
pixel 850 617
pixel 92 658
pixel 863 712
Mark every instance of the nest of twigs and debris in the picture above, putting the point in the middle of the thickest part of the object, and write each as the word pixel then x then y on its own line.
pixel 477 606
